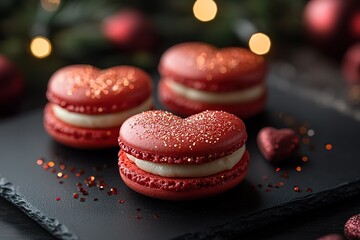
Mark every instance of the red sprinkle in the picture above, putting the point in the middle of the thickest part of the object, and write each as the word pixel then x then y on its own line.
pixel 82 199
pixel 296 189
pixel 121 201
pixel 57 199
pixel 75 195
pixel 328 146
pixel 40 161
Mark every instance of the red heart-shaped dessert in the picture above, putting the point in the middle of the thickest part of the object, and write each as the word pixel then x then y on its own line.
pixel 87 89
pixel 203 66
pixel 277 144
pixel 197 76
pixel 165 156
pixel 88 105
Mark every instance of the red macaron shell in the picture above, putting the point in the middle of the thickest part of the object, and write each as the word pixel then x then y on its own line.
pixel 76 136
pixel 202 66
pixel 180 188
pixel 160 136
pixel 87 89
pixel 185 107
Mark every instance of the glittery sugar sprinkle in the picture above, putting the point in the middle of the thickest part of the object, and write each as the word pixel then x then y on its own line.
pixel 98 83
pixel 328 146
pixel 83 189
pixel 207 58
pixel 174 132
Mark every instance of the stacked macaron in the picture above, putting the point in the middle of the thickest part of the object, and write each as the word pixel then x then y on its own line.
pixel 168 157
pixel 88 105
pixel 197 77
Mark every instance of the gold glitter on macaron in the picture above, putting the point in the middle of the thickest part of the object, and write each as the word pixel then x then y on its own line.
pixel 98 83
pixel 172 128
pixel 208 58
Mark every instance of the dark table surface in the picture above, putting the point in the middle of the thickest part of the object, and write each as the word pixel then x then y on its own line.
pixel 15 225
pixel 310 225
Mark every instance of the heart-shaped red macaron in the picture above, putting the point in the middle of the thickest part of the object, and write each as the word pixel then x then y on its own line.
pixel 203 66
pixel 90 90
pixel 165 142
pixel 87 105
pixel 160 136
pixel 277 144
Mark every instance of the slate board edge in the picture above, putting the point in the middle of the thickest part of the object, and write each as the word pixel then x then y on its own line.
pixel 246 224
pixel 57 229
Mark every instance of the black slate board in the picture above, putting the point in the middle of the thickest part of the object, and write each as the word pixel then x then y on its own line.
pixel 265 196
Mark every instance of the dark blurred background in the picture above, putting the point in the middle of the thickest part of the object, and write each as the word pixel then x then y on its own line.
pixel 114 32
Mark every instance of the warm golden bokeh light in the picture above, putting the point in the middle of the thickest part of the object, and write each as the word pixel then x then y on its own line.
pixel 40 47
pixel 259 43
pixel 205 10
pixel 50 5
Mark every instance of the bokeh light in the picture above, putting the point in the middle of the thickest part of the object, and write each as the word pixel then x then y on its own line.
pixel 259 43
pixel 205 10
pixel 40 47
pixel 50 5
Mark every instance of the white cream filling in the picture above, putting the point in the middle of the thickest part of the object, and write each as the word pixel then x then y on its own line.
pixel 247 95
pixel 102 120
pixel 186 170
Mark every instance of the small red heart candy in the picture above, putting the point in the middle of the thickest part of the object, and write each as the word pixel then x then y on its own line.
pixel 277 144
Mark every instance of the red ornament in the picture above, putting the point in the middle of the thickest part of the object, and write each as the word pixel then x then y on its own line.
pixel 332 25
pixel 130 30
pixel 351 64
pixel 352 228
pixel 355 25
pixel 11 84
pixel 277 145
